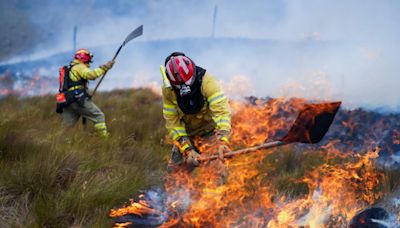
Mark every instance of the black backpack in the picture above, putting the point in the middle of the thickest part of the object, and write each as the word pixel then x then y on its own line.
pixel 65 97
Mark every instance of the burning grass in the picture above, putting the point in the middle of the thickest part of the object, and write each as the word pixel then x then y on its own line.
pixel 293 186
pixel 51 177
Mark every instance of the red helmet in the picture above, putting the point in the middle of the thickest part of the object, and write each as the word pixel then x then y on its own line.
pixel 83 55
pixel 180 69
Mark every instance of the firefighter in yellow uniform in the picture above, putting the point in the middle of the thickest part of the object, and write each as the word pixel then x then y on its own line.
pixel 82 105
pixel 193 105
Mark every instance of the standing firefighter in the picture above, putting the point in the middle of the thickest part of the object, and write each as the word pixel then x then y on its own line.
pixel 193 106
pixel 73 100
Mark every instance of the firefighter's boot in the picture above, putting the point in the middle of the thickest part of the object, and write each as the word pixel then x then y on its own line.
pixel 101 130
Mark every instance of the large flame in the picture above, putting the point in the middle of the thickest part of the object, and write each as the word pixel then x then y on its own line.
pixel 243 191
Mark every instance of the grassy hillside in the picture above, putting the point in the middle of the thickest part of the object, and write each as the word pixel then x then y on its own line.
pixel 56 177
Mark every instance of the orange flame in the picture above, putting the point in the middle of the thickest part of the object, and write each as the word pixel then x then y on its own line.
pixel 138 208
pixel 242 191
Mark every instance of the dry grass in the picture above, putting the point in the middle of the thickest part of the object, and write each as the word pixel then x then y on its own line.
pixel 56 177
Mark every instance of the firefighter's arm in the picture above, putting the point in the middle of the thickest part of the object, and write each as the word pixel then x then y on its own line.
pixel 219 106
pixel 174 124
pixel 86 73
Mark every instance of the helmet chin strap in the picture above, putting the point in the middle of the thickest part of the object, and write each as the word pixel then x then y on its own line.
pixel 91 57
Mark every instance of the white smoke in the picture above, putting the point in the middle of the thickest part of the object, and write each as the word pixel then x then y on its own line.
pixel 276 45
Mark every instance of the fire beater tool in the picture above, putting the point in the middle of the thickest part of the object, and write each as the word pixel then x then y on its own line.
pixel 135 33
pixel 310 126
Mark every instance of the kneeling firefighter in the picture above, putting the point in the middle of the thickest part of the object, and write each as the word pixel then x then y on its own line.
pixel 193 105
pixel 73 100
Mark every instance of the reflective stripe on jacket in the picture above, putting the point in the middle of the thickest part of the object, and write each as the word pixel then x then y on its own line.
pixel 214 115
pixel 81 70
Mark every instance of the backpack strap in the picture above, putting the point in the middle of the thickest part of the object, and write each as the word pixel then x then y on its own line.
pixel 65 85
pixel 68 83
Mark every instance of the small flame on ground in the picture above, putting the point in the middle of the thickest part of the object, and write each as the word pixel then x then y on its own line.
pixel 20 84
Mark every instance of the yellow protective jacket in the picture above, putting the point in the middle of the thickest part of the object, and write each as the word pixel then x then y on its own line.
pixel 82 70
pixel 215 113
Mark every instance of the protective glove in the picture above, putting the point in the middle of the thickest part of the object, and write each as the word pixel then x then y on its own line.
pixel 184 144
pixel 222 149
pixel 192 157
pixel 223 143
pixel 108 65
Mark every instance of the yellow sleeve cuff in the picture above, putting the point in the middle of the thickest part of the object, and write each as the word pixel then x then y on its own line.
pixel 225 139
